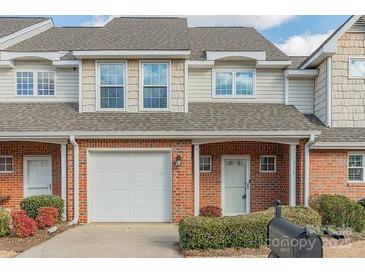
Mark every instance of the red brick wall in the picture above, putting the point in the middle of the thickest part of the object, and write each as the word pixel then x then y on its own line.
pixel 266 188
pixel 182 177
pixel 328 174
pixel 12 183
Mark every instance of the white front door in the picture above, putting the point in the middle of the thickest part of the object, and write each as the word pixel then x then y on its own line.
pixel 235 185
pixel 37 176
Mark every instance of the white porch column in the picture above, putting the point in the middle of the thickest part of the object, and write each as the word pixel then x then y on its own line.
pixel 292 174
pixel 196 179
pixel 63 176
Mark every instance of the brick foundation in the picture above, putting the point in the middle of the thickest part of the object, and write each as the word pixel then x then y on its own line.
pixel 12 183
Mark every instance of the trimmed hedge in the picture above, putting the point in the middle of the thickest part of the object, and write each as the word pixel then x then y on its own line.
pixel 362 202
pixel 339 211
pixel 32 204
pixel 248 231
pixel 4 222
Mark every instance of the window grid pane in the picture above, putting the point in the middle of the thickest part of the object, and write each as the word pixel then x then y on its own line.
pixel 112 86
pixel 155 86
pixel 24 83
pixel 6 164
pixel 356 169
pixel 224 83
pixel 267 163
pixel 205 163
pixel 244 83
pixel 45 83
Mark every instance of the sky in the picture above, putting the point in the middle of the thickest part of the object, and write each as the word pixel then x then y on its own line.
pixel 295 35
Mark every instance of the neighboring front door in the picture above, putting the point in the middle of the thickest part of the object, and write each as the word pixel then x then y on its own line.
pixel 235 185
pixel 37 176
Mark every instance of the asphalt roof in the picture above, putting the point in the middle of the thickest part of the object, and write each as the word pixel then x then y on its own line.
pixel 231 39
pixel 296 61
pixel 151 33
pixel 9 25
pixel 342 135
pixel 20 117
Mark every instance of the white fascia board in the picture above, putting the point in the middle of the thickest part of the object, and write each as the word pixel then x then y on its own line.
pixel 25 30
pixel 215 55
pixel 7 64
pixel 273 64
pixel 200 64
pixel 49 55
pixel 339 145
pixel 66 63
pixel 330 47
pixel 80 54
pixel 159 134
pixel 302 73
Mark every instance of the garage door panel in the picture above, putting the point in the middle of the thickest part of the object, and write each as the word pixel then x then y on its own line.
pixel 130 186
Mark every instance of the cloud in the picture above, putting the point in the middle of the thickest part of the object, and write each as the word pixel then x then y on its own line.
pixel 95 21
pixel 305 44
pixel 261 22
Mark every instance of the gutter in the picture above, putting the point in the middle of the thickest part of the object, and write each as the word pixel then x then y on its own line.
pixel 306 168
pixel 76 180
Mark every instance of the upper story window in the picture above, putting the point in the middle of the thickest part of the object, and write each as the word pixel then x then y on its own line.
pixel 112 86
pixel 155 86
pixel 234 83
pixel 357 67
pixel 35 83
pixel 356 167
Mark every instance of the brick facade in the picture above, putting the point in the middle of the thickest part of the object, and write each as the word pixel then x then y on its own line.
pixel 328 174
pixel 12 183
pixel 266 188
pixel 182 177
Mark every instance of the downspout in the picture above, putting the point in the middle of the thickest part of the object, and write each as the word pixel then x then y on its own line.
pixel 76 180
pixel 306 168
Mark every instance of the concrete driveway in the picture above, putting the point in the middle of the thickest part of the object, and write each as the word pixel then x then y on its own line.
pixel 106 240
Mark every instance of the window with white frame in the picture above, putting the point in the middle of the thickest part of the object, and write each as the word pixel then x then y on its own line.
pixel 357 67
pixel 238 83
pixel 356 167
pixel 112 86
pixel 268 163
pixel 205 163
pixel 40 83
pixel 6 164
pixel 155 86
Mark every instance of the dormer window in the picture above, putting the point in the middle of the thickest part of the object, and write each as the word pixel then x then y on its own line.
pixel 41 83
pixel 233 83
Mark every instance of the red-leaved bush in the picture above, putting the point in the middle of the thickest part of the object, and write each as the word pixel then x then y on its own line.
pixel 23 226
pixel 47 217
pixel 211 211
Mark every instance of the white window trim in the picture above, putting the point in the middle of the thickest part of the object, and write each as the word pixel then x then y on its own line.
pixel 234 95
pixel 8 156
pixel 35 83
pixel 349 67
pixel 141 84
pixel 362 153
pixel 268 171
pixel 210 164
pixel 97 82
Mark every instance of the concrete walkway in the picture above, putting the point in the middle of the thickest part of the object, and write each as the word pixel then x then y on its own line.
pixel 111 240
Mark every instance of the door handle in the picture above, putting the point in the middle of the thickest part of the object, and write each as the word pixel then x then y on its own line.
pixel 244 196
pixel 50 186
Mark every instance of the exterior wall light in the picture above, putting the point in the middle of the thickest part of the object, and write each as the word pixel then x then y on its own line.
pixel 178 161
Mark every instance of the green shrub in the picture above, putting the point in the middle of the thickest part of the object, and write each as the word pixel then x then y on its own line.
pixel 4 222
pixel 362 202
pixel 339 211
pixel 247 231
pixel 32 204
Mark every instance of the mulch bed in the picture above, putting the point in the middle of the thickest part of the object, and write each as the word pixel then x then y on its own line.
pixel 12 245
pixel 261 252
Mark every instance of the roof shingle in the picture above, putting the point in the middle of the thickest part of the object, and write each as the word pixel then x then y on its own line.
pixel 9 25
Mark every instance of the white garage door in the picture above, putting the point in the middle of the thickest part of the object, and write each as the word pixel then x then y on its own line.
pixel 130 186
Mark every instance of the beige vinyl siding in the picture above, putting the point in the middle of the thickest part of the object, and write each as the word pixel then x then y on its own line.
pixel 301 94
pixel 26 35
pixel 320 93
pixel 269 86
pixel 67 83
